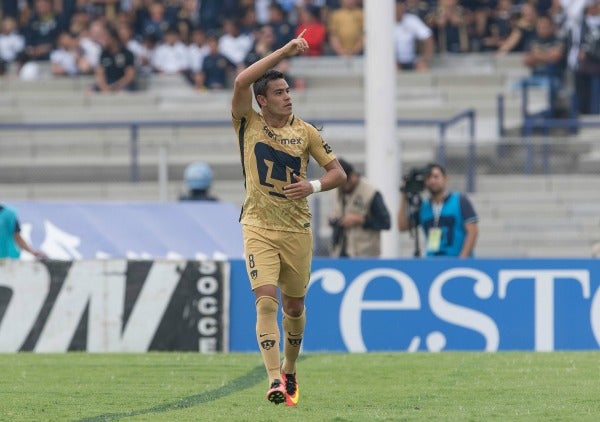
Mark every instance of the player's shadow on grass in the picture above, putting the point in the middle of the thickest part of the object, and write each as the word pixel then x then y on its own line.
pixel 251 379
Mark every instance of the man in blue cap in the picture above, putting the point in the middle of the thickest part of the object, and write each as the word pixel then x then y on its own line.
pixel 198 177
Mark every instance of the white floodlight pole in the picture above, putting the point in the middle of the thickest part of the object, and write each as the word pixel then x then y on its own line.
pixel 382 148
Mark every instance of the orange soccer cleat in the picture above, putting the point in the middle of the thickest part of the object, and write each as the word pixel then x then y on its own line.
pixel 277 392
pixel 292 390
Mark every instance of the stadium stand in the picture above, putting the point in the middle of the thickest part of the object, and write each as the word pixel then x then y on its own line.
pixel 95 164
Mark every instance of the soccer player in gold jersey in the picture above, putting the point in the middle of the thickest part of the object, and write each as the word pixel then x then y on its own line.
pixel 275 146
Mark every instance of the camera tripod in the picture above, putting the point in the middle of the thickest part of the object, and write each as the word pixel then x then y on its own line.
pixel 414 207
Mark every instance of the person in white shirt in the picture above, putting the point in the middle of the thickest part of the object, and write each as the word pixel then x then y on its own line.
pixel 91 43
pixel 171 55
pixel 11 43
pixel 262 11
pixel 408 31
pixel 63 59
pixel 197 50
pixel 574 12
pixel 234 45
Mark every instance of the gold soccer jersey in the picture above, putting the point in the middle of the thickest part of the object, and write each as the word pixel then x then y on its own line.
pixel 269 158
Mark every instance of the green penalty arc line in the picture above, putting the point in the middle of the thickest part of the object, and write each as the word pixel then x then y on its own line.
pixel 248 380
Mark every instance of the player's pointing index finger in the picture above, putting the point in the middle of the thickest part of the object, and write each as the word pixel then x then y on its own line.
pixel 301 34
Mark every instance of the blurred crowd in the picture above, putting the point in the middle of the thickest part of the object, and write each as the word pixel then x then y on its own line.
pixel 208 40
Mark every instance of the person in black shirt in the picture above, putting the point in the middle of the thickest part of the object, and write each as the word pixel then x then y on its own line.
pixel 116 71
pixel 215 67
pixel 41 32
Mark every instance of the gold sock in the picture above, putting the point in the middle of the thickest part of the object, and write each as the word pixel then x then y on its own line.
pixel 293 331
pixel 267 334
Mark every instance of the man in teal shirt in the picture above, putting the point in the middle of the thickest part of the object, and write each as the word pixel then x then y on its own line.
pixel 448 219
pixel 11 241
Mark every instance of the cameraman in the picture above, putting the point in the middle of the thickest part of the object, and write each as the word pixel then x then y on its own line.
pixel 359 216
pixel 447 218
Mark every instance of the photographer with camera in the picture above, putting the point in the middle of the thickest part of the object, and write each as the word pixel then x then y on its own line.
pixel 448 218
pixel 359 216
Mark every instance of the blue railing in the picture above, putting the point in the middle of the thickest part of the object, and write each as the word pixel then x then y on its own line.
pixel 544 120
pixel 135 126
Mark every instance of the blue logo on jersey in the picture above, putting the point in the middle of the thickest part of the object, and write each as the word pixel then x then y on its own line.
pixel 275 168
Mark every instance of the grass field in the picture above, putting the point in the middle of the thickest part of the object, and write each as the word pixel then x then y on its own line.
pixel 334 387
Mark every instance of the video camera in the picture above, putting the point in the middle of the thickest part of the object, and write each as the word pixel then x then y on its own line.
pixel 414 181
pixel 413 184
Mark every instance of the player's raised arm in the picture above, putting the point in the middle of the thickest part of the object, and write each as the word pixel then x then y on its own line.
pixel 242 94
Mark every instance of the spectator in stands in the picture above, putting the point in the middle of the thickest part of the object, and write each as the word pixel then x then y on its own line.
pixel 447 218
pixel 523 33
pixel 233 44
pixel 359 216
pixel 41 32
pixel 138 14
pixel 263 45
pixel 587 79
pixel 198 178
pixel 11 241
pixel 499 25
pixel 543 6
pixel 450 25
pixel 421 8
pixel 116 71
pixel 197 51
pixel 90 44
pixel 557 13
pixel 346 29
pixel 187 17
pixel 140 51
pixel 10 8
pixel 316 32
pixel 409 32
pixel 171 55
pixel 282 28
pixel 287 5
pixel 211 14
pixel 477 13
pixel 248 23
pixel 574 12
pixel 100 8
pixel 11 43
pixel 64 58
pixel 157 22
pixel 150 42
pixel 544 56
pixel 79 23
pixel 216 67
pixel 545 53
pixel 261 7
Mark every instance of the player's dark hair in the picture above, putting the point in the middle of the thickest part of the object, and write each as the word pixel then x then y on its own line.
pixel 260 86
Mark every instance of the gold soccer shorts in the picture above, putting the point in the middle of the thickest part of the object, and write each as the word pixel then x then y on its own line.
pixel 279 258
